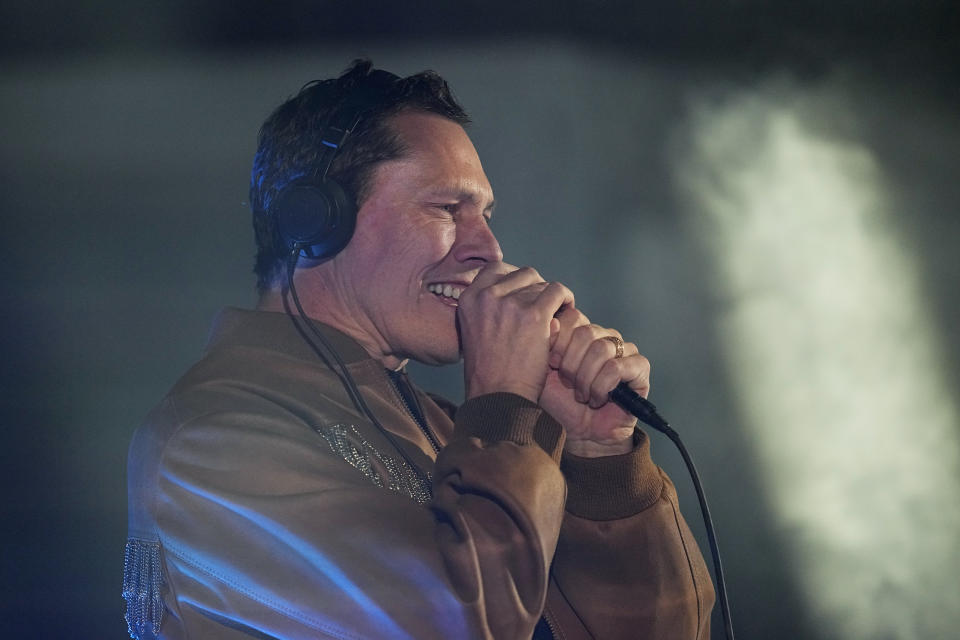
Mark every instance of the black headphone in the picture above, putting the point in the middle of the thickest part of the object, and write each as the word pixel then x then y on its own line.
pixel 314 215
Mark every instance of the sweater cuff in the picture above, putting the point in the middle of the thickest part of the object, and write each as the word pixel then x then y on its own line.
pixel 612 487
pixel 506 416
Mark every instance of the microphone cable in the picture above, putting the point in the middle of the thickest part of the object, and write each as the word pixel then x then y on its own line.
pixel 628 399
pixel 645 410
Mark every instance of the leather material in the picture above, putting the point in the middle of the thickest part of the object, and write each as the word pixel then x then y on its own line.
pixel 270 526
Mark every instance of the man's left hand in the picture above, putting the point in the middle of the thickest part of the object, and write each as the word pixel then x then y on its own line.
pixel 584 368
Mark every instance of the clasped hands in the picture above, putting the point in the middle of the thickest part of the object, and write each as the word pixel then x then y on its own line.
pixel 523 335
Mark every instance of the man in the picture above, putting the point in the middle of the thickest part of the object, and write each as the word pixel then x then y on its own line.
pixel 295 484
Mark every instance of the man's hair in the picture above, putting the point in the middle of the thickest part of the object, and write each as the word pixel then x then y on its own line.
pixel 289 147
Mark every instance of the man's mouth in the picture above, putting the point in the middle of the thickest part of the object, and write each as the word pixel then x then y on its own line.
pixel 447 292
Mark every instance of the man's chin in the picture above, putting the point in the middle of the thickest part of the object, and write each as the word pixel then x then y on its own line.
pixel 438 358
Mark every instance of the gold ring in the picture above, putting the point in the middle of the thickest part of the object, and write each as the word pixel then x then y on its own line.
pixel 618 343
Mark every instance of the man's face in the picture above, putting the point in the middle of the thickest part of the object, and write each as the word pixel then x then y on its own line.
pixel 422 235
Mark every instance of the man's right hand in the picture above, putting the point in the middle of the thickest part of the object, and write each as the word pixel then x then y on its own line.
pixel 505 318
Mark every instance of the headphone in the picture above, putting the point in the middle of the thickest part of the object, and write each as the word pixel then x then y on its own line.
pixel 314 215
pixel 315 218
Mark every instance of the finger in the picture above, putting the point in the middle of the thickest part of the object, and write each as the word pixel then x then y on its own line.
pixel 516 279
pixel 490 273
pixel 600 352
pixel 569 319
pixel 581 339
pixel 495 281
pixel 537 301
pixel 554 298
pixel 532 305
pixel 633 369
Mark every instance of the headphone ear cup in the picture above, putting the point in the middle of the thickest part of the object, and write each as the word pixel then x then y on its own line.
pixel 317 219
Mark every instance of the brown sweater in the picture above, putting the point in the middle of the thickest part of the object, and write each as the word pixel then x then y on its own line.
pixel 263 504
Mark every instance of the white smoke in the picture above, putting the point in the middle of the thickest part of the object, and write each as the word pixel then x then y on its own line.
pixel 833 357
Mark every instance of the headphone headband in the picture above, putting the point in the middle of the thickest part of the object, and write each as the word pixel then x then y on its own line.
pixel 361 98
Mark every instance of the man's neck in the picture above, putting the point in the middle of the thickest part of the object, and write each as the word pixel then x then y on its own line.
pixel 330 315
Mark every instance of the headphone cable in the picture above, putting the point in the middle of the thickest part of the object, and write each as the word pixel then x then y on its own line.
pixel 349 384
pixel 346 379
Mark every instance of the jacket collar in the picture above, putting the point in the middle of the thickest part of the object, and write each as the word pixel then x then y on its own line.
pixel 281 333
pixel 284 333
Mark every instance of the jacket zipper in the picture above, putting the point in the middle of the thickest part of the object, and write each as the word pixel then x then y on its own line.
pixel 551 624
pixel 421 420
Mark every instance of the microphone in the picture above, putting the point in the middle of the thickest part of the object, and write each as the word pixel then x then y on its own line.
pixel 631 402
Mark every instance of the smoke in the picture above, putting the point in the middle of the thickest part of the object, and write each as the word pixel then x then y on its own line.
pixel 832 354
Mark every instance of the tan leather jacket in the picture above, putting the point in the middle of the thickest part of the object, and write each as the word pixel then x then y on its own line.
pixel 263 504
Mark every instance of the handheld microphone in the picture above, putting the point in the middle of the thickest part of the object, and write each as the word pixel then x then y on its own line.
pixel 632 402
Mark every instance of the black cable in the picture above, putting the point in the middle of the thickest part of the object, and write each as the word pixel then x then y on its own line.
pixel 647 412
pixel 346 379
pixel 642 408
pixel 343 374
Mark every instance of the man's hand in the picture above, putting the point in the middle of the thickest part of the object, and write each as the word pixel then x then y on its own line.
pixel 506 318
pixel 583 370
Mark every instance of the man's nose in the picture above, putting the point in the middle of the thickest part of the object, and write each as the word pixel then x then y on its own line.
pixel 476 242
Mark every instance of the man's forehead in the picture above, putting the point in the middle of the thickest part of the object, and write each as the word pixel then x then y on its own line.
pixel 439 160
pixel 421 132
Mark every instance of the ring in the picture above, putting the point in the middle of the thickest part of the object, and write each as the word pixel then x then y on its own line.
pixel 618 343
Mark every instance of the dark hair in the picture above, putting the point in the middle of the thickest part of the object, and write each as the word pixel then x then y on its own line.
pixel 289 146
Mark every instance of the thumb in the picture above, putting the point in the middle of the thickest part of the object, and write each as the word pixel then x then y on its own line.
pixel 554 334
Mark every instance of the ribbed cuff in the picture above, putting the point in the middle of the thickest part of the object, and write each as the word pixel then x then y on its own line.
pixel 506 416
pixel 612 487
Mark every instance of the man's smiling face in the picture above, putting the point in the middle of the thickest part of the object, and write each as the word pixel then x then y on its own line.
pixel 422 235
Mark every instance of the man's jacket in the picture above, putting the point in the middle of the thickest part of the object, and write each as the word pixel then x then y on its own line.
pixel 264 504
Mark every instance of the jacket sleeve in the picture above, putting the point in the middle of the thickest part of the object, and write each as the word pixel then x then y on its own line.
pixel 266 532
pixel 626 564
